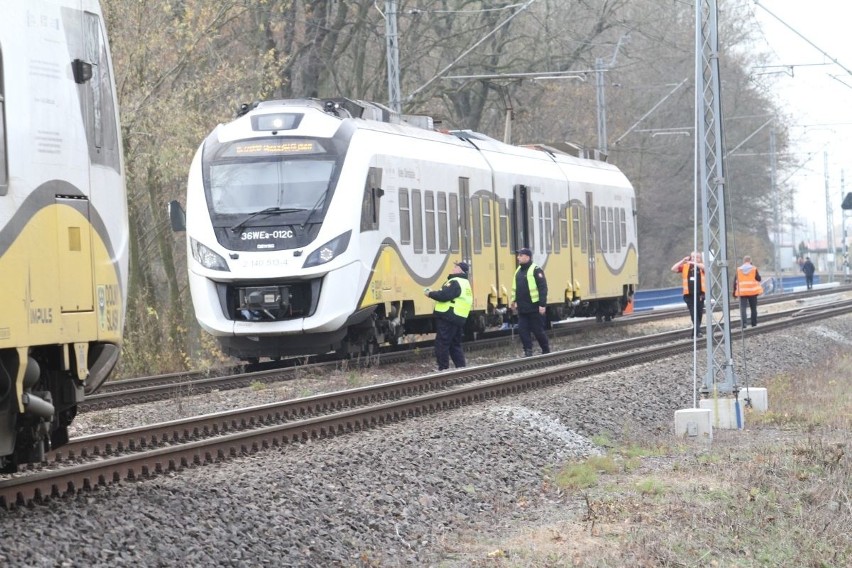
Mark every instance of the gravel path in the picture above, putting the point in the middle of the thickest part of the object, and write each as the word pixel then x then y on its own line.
pixel 408 494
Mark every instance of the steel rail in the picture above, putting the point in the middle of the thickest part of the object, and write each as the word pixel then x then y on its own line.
pixel 339 416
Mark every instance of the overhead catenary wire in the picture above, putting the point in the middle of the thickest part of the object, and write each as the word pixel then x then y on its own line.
pixel 467 51
pixel 809 42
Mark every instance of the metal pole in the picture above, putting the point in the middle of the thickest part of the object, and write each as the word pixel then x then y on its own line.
pixel 829 222
pixel 599 84
pixel 845 230
pixel 711 176
pixel 507 132
pixel 776 209
pixel 392 39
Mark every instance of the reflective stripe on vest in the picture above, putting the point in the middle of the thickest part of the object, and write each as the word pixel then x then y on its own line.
pixel 746 283
pixel 531 283
pixel 461 304
pixel 685 274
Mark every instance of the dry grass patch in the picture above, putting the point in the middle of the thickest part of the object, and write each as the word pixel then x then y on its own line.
pixel 775 494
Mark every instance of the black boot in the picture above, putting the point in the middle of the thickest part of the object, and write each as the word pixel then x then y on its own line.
pixel 527 352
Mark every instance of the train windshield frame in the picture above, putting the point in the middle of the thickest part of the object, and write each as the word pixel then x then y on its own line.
pixel 247 176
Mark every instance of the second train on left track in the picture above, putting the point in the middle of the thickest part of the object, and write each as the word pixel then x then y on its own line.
pixel 314 225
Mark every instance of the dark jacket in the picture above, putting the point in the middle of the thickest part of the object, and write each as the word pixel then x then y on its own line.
pixel 449 291
pixel 808 268
pixel 522 290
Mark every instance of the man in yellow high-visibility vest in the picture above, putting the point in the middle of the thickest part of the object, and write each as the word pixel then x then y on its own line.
pixel 453 304
pixel 529 300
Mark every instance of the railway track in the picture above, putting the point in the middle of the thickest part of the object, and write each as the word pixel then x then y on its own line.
pixel 162 387
pixel 101 459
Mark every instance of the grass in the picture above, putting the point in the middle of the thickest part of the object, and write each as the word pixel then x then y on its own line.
pixel 778 493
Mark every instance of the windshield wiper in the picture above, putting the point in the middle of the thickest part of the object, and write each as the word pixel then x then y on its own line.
pixel 267 211
pixel 320 201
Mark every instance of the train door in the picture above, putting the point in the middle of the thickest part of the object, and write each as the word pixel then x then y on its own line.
pixel 464 218
pixel 591 224
pixel 4 164
pixel 523 234
pixel 73 212
pixel 75 255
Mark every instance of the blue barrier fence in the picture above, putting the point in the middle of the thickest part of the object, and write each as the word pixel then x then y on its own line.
pixel 650 299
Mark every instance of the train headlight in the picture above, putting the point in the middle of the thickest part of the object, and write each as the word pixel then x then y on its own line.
pixel 206 257
pixel 329 250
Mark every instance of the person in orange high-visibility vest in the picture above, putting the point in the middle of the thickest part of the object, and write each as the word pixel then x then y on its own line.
pixel 689 267
pixel 747 288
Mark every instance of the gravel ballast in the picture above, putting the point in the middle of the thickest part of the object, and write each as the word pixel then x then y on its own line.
pixel 405 494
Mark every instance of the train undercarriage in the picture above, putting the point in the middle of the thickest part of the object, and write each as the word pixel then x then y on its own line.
pixel 50 397
pixel 388 324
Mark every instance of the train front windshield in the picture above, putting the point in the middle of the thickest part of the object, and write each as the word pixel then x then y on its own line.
pixel 241 188
pixel 247 176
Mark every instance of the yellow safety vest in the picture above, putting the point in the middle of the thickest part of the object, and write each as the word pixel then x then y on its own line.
pixel 531 283
pixel 462 303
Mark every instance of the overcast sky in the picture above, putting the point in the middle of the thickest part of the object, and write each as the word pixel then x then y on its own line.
pixel 816 89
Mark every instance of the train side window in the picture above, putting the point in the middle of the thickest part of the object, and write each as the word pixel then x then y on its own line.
pixel 610 223
pixel 616 228
pixel 404 217
pixel 623 220
pixel 541 228
pixel 371 202
pixel 454 222
pixel 548 228
pixel 504 223
pixel 430 221
pixel 4 167
pixel 476 229
pixel 443 245
pixel 417 219
pixel 596 229
pixel 486 221
pixel 555 230
pixel 575 225
pixel 98 97
pixel 563 225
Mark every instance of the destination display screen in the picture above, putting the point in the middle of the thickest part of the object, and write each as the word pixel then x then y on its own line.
pixel 277 147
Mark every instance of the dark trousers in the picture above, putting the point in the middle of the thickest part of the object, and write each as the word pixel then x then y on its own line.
pixel 809 280
pixel 696 309
pixel 532 324
pixel 751 303
pixel 448 340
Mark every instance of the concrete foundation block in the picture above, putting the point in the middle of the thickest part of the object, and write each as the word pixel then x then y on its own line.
pixel 727 412
pixel 759 398
pixel 694 424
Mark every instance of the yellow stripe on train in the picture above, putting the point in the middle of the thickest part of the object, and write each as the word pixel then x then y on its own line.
pixel 58 269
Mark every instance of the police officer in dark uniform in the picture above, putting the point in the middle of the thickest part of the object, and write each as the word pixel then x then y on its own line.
pixel 529 300
pixel 453 304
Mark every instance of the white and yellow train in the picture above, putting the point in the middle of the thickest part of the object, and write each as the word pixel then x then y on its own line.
pixel 314 225
pixel 63 221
